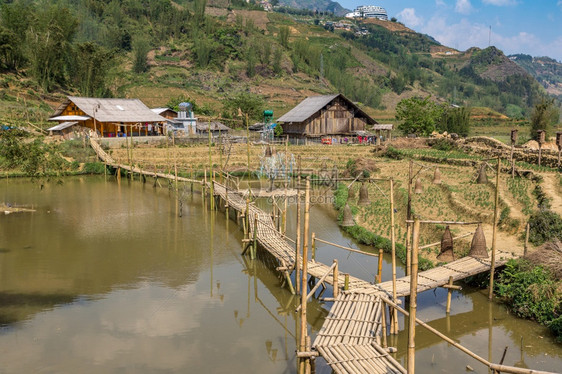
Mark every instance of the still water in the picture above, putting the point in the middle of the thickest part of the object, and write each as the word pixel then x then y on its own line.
pixel 106 278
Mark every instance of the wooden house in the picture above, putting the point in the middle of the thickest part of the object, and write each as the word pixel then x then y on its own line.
pixel 166 113
pixel 325 116
pixel 217 128
pixel 110 117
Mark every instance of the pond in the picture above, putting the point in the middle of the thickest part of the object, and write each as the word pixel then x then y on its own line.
pixel 107 278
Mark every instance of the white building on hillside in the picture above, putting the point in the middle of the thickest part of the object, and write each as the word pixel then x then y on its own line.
pixel 369 11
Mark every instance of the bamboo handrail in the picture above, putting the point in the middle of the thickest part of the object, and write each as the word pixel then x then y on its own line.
pixel 437 243
pixel 502 368
pixel 347 248
pixel 445 222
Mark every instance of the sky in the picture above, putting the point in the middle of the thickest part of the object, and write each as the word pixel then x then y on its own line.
pixel 517 26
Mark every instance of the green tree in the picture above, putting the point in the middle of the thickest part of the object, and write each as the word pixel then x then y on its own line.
pixel 15 19
pixel 284 36
pixel 544 115
pixel 251 60
pixel 455 120
pixel 91 66
pixel 246 104
pixel 277 58
pixel 419 115
pixel 141 47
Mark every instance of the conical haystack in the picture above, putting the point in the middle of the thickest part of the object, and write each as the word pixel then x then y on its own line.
pixel 478 245
pixel 447 254
pixel 419 188
pixel 482 177
pixel 363 195
pixel 350 193
pixel 437 176
pixel 347 217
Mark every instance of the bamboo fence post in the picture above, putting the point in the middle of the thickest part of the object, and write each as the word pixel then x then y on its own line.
pixel 494 232
pixel 394 317
pixel 526 246
pixel 211 192
pixel 226 203
pixel 304 363
pixel 336 280
pixel 298 241
pixel 413 299
pixel 255 240
pixel 409 217
pixel 379 280
pixel 313 246
pixel 449 294
pixel 346 282
pixel 383 321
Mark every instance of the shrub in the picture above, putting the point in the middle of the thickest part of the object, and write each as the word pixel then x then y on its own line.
pixel 394 153
pixel 444 144
pixel 545 225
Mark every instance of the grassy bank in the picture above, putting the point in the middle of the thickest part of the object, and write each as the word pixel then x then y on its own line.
pixel 370 238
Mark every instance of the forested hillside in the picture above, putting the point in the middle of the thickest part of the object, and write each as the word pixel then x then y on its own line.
pixel 162 51
pixel 545 70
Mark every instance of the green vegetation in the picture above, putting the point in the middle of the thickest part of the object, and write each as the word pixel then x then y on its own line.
pixel 544 226
pixel 367 237
pixel 533 292
pixel 419 115
pixel 544 115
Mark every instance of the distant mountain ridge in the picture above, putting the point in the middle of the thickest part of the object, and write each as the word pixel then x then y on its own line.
pixel 547 71
pixel 319 5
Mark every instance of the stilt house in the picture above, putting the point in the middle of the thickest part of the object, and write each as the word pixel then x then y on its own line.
pixel 109 117
pixel 325 116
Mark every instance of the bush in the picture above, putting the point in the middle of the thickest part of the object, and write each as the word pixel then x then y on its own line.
pixel 444 144
pixel 94 168
pixel 394 153
pixel 545 226
pixel 532 292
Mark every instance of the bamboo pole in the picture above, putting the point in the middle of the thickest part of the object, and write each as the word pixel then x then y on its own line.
pixel 449 294
pixel 304 363
pixel 380 266
pixel 409 217
pixel 346 282
pixel 298 242
pixel 211 192
pixel 526 246
pixel 255 240
pixel 347 248
pixel 313 246
pixel 336 279
pixel 494 232
pixel 383 316
pixel 320 281
pixel 394 317
pixel 413 299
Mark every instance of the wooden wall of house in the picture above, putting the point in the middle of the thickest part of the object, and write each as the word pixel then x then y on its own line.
pixel 335 119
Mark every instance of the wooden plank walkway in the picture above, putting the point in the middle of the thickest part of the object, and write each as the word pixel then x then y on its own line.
pixel 111 162
pixel 349 339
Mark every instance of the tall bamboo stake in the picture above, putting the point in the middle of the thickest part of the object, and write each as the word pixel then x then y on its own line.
pixel 298 242
pixel 413 299
pixel 394 317
pixel 212 197
pixel 494 231
pixel 525 248
pixel 304 366
pixel 409 217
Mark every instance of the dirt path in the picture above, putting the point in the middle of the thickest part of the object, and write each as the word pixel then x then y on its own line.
pixel 550 188
pixel 514 208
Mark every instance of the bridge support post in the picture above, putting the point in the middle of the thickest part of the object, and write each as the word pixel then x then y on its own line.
pixel 494 231
pixel 413 298
pixel 379 277
pixel 255 240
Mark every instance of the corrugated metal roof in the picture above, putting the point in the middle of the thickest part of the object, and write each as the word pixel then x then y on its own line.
pixel 62 126
pixel 113 110
pixel 383 127
pixel 307 108
pixel 215 126
pixel 162 110
pixel 69 118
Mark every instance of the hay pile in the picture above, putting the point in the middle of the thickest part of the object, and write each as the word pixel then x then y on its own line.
pixel 549 255
pixel 361 165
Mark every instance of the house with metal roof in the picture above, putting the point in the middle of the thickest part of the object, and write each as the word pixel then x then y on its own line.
pixel 109 117
pixel 327 115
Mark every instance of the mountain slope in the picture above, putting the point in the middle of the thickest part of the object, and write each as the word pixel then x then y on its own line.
pixel 546 71
pixel 319 5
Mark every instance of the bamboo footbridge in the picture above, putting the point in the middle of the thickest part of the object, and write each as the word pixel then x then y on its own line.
pixel 353 336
